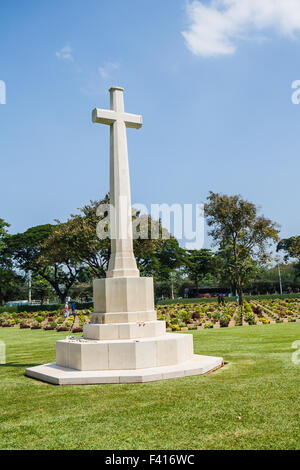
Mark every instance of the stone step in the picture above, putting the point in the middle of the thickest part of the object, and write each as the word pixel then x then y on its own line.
pixel 54 374
pixel 81 354
pixel 124 317
pixel 130 330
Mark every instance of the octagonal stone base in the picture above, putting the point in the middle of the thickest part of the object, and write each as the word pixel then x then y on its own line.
pixel 58 375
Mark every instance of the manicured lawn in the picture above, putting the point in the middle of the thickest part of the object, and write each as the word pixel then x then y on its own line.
pixel 260 384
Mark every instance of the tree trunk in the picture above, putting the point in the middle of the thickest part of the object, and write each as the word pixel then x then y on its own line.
pixel 197 287
pixel 240 291
pixel 241 298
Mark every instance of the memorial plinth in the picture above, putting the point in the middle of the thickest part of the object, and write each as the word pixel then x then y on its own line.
pixel 124 342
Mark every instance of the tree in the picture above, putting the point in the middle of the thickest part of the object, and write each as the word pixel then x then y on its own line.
pixel 41 289
pixel 163 264
pixel 12 285
pixel 291 248
pixel 71 252
pixel 248 269
pixel 33 251
pixel 25 248
pixel 5 256
pixel 3 236
pixel 78 238
pixel 243 237
pixel 199 263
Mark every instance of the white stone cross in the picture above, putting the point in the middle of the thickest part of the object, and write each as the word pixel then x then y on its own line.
pixel 122 262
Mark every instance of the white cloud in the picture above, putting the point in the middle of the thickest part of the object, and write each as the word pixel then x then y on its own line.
pixel 65 53
pixel 108 69
pixel 217 27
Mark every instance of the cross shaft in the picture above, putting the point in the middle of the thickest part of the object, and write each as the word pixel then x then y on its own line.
pixel 122 262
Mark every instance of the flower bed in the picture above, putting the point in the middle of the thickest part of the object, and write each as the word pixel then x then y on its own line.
pixel 178 317
pixel 192 316
pixel 47 321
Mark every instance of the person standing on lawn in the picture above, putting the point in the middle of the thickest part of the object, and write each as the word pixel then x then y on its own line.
pixel 67 310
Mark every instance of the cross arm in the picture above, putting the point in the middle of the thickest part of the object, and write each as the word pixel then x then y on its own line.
pixel 104 116
pixel 133 120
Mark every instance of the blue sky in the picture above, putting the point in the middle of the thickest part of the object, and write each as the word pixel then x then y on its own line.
pixel 216 103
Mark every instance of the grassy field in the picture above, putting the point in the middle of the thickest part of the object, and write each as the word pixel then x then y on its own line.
pixel 251 403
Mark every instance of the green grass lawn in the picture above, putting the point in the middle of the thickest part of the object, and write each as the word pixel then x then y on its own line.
pixel 259 383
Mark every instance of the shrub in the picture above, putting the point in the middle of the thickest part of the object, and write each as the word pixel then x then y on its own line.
pixel 238 320
pixel 250 318
pixel 216 316
pixel 224 321
pixel 196 316
pixel 257 310
pixel 77 330
pixel 62 328
pixel 289 312
pixel 23 324
pixel 247 308
pixel 208 325
pixel 40 319
pixel 175 328
pixel 264 320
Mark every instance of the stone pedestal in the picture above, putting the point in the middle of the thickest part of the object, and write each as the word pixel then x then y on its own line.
pixel 124 343
pixel 124 299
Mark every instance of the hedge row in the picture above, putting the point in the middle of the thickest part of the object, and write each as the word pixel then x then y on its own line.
pixel 227 299
pixel 43 308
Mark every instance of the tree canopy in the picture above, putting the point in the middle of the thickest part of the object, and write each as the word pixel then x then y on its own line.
pixel 242 236
pixel 199 263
